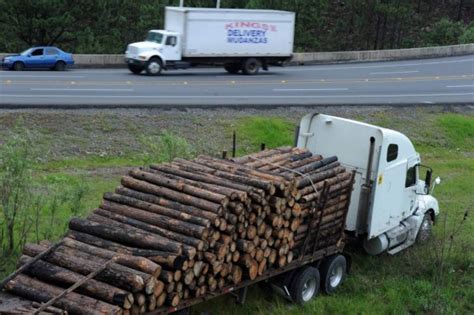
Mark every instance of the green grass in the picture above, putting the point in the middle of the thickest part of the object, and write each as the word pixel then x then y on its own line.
pixel 412 282
pixel 272 131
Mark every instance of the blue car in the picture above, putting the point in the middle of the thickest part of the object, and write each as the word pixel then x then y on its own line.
pixel 39 58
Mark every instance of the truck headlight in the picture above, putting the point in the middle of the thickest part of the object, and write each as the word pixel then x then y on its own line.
pixel 142 57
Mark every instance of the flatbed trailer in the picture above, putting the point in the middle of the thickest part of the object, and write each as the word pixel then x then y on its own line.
pixel 282 277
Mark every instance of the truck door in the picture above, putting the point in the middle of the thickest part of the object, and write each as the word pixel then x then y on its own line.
pixel 172 48
pixel 390 191
pixel 411 178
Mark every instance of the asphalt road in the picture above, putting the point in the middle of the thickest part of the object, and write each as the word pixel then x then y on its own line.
pixel 429 81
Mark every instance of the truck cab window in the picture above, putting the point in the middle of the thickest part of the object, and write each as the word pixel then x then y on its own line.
pixel 411 177
pixel 392 152
pixel 154 37
pixel 171 41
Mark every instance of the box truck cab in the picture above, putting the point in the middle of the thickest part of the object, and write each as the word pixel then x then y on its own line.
pixel 237 39
pixel 391 207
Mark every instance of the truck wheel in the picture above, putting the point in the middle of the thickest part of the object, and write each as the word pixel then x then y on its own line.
pixel 18 66
pixel 135 69
pixel 333 273
pixel 154 67
pixel 304 285
pixel 424 233
pixel 233 68
pixel 251 66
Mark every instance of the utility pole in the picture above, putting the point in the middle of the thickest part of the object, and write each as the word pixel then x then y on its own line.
pixel 218 5
pixel 181 3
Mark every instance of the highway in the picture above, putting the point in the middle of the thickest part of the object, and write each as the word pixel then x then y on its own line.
pixel 429 81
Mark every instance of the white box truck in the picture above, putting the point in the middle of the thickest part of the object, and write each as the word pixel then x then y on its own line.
pixel 238 39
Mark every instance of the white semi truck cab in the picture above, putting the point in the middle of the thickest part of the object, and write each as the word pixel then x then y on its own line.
pixel 391 207
pixel 240 40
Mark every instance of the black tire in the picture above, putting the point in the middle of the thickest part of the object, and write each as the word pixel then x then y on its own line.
pixel 60 66
pixel 18 66
pixel 154 67
pixel 333 273
pixel 304 285
pixel 251 66
pixel 424 233
pixel 232 68
pixel 135 69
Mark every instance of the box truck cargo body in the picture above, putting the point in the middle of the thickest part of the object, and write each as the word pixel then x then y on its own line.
pixel 238 39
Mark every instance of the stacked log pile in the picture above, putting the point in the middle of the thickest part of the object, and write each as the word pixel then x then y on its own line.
pixel 179 230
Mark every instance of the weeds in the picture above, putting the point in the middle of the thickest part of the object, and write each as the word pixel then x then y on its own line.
pixel 165 148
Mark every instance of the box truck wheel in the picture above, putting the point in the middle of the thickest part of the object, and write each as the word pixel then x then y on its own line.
pixel 424 233
pixel 304 285
pixel 250 66
pixel 333 273
pixel 233 68
pixel 154 66
pixel 135 69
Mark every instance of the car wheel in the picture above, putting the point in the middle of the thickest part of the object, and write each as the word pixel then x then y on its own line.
pixel 424 233
pixel 135 69
pixel 304 285
pixel 232 68
pixel 333 273
pixel 18 66
pixel 251 66
pixel 154 67
pixel 60 66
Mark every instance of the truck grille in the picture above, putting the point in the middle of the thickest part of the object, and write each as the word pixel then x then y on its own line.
pixel 132 50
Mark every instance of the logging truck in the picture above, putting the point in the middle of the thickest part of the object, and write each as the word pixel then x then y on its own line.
pixel 177 234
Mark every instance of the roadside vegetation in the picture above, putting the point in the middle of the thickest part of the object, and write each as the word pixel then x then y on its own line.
pixel 321 25
pixel 50 173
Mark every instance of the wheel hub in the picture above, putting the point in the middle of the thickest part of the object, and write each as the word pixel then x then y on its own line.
pixel 154 67
pixel 336 276
pixel 308 289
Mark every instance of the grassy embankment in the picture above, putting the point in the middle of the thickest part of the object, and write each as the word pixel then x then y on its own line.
pixel 436 279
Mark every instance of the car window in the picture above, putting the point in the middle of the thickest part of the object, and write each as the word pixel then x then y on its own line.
pixel 37 52
pixel 52 51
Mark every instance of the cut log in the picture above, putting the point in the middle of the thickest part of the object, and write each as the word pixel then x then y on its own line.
pixel 75 303
pixel 120 276
pixel 93 288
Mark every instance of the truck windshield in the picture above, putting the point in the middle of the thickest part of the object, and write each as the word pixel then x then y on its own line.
pixel 154 37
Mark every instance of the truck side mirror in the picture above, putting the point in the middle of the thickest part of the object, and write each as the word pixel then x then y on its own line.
pixel 429 173
pixel 437 180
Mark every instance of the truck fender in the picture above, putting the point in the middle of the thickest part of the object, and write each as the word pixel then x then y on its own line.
pixel 155 54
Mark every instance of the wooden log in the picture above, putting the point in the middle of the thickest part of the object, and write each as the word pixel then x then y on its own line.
pixel 103 291
pixel 160 257
pixel 262 154
pixel 231 193
pixel 126 235
pixel 186 240
pixel 179 185
pixel 120 276
pixel 137 263
pixel 157 209
pixel 183 198
pixel 75 303
pixel 160 221
pixel 193 211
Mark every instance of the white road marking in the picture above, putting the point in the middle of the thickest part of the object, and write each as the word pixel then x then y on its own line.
pixel 299 90
pixel 47 76
pixel 394 72
pixel 460 86
pixel 234 96
pixel 82 90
